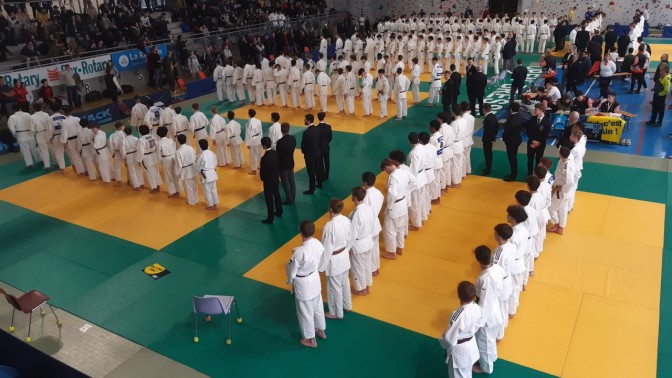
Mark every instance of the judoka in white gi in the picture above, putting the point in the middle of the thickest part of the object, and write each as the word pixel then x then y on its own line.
pixel 363 220
pixel 351 89
pixel 323 84
pixel 198 123
pixel 366 84
pixel 102 153
pixel 87 152
pixel 220 138
pixel 294 82
pixel 563 190
pixel 147 154
pixel 458 126
pixel 516 216
pixel 467 137
pixel 114 145
pixel 154 117
pixel 20 125
pixel 504 256
pixel 167 150
pixel 308 87
pixel 206 163
pixel 41 128
pixel 430 162
pixel 383 91
pixel 253 135
pixel 416 162
pixel 180 123
pixel 489 286
pixel 138 112
pixel 335 262
pixel 375 199
pixel 436 140
pixel 185 166
pixel 396 209
pixel 435 82
pixel 538 203
pixel 401 85
pixel 458 339
pixel 218 78
pixel 129 151
pixel 55 130
pixel 280 76
pixel 532 224
pixel 303 276
pixel 235 141
pixel 578 152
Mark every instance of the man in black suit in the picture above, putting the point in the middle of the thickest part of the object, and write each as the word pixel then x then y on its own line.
pixel 312 154
pixel 559 34
pixel 509 52
pixel 512 140
pixel 447 92
pixel 325 138
pixel 480 82
pixel 538 128
pixel 582 38
pixel 285 147
pixel 518 76
pixel 470 72
pixel 456 78
pixel 269 170
pixel 490 126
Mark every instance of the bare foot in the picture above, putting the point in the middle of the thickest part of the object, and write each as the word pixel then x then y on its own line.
pixel 320 333
pixel 310 343
pixel 213 207
pixel 413 228
pixel 361 292
pixel 389 256
pixel 375 273
pixel 329 316
pixel 400 251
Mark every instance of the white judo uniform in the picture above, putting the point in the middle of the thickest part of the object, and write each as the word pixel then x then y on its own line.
pixel 147 154
pixel 489 287
pixel 417 161
pixel 401 85
pixel 185 166
pixel 55 129
pixel 220 139
pixel 302 274
pixel 396 209
pixel 102 155
pixel 129 151
pixel 198 123
pixel 206 163
pixel 458 340
pixel 375 199
pixel 519 240
pixel 274 133
pixel 253 135
pixel 41 128
pixel 235 141
pixel 167 149
pixel 563 191
pixel 363 222
pixel 468 141
pixel 114 145
pixel 504 256
pixel 336 264
pixel 20 125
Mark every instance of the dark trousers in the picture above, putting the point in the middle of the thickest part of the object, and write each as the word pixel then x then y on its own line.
pixel 326 164
pixel 514 89
pixel 288 184
pixel 639 79
pixel 271 195
pixel 658 108
pixel 512 155
pixel 534 155
pixel 314 168
pixel 604 86
pixel 447 104
pixel 487 152
pixel 479 99
pixel 73 96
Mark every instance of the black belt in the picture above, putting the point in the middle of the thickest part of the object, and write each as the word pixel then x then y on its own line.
pixel 427 169
pixel 338 251
pixel 462 341
pixel 165 156
pixel 505 277
pixel 199 129
pixel 21 131
pixel 101 148
pixel 71 138
pixel 131 152
pixel 188 165
pixel 233 136
pixel 255 135
pixel 181 131
pixel 227 76
pixel 167 124
pixel 85 144
pixel 149 153
pixel 284 82
pixel 305 275
pixel 400 199
pixel 219 131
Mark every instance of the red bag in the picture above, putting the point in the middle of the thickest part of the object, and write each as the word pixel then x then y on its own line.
pixel 201 75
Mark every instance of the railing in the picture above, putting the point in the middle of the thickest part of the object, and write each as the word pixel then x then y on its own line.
pixel 192 39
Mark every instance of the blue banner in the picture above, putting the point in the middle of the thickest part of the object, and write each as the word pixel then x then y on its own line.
pixel 112 113
pixel 133 60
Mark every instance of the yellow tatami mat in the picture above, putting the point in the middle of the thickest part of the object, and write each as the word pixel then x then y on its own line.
pixel 153 220
pixel 339 122
pixel 605 263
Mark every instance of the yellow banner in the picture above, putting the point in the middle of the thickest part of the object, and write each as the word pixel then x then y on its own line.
pixel 612 127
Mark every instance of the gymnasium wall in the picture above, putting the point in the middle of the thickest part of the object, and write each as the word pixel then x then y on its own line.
pixel 618 11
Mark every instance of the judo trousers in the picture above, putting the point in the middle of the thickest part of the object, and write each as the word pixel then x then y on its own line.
pixel 360 267
pixel 311 316
pixel 339 297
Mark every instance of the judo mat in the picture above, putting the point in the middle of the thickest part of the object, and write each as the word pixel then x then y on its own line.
pixel 596 307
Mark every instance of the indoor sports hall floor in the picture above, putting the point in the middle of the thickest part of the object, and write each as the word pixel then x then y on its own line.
pixel 599 305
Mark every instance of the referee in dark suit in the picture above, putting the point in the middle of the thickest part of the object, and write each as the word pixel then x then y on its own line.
pixel 269 170
pixel 490 127
pixel 538 128
pixel 325 138
pixel 312 154
pixel 512 140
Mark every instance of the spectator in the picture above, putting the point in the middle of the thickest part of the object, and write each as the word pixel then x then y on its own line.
pixel 68 77
pixel 194 65
pixel 47 93
pixel 21 95
pixel 29 54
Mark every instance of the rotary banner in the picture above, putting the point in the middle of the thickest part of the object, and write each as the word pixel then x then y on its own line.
pixel 86 68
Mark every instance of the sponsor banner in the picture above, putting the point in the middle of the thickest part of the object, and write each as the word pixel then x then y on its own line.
pixel 112 113
pixel 86 68
pixel 500 97
pixel 133 60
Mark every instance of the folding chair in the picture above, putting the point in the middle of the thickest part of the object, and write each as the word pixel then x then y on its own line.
pixel 215 305
pixel 27 303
